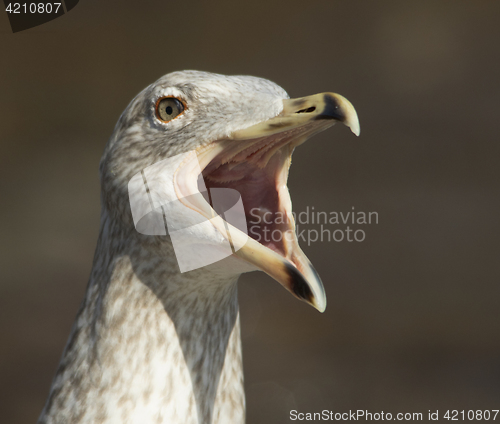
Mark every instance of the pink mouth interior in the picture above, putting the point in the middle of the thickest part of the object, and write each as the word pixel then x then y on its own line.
pixel 256 172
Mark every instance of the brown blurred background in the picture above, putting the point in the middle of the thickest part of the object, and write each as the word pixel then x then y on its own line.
pixel 413 317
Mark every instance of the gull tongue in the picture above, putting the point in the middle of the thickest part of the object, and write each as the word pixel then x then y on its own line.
pixel 292 269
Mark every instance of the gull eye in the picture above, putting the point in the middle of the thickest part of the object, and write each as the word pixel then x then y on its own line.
pixel 168 108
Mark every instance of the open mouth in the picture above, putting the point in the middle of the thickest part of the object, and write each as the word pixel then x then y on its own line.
pixel 255 162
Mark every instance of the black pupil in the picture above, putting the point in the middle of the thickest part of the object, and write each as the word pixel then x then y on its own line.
pixel 169 110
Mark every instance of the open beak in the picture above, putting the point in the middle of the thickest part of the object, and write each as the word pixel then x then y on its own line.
pixel 255 161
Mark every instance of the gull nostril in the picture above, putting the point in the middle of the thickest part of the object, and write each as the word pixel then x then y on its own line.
pixel 308 110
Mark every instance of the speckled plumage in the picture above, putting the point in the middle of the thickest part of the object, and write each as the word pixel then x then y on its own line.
pixel 151 345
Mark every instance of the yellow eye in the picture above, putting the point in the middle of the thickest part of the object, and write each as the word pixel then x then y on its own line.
pixel 168 108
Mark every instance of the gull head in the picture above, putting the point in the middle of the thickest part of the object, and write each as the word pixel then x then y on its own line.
pixel 209 156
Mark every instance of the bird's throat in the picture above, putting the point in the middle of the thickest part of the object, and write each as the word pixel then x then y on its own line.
pixel 168 341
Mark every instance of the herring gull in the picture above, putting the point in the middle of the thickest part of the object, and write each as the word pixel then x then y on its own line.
pixel 153 343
